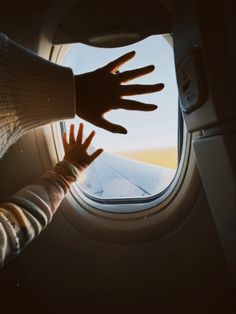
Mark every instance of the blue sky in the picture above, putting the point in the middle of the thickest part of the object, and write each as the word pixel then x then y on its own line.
pixel 157 129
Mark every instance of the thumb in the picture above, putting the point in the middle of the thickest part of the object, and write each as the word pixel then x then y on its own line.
pixel 112 127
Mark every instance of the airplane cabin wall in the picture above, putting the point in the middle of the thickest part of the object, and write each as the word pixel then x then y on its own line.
pixel 209 27
pixel 65 271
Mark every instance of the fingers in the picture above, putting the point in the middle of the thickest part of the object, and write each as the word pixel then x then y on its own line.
pixel 114 128
pixel 72 134
pixel 95 155
pixel 64 139
pixel 80 133
pixel 130 75
pixel 130 90
pixel 114 65
pixel 136 105
pixel 88 140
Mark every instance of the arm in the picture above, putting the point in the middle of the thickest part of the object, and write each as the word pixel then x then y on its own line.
pixel 29 211
pixel 33 92
pixel 38 91
pixel 58 95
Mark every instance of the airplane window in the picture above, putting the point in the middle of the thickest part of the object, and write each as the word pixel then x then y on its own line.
pixel 142 163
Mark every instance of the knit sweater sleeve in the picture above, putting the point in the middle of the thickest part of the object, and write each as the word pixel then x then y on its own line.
pixel 33 92
pixel 27 213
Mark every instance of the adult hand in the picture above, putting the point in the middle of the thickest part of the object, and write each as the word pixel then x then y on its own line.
pixel 101 91
pixel 76 150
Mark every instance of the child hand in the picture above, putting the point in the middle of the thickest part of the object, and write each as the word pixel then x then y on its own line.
pixel 76 151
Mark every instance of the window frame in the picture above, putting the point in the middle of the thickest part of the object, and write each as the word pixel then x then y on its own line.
pixel 128 200
pixel 120 205
pixel 129 226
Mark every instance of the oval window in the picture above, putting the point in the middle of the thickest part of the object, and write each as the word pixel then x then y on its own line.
pixel 143 163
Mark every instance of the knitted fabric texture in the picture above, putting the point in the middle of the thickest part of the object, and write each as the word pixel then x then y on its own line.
pixel 33 92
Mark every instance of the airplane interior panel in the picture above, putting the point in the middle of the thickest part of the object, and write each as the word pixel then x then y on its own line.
pixel 166 243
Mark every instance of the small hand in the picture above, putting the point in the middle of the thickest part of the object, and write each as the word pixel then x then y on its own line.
pixel 76 151
pixel 101 91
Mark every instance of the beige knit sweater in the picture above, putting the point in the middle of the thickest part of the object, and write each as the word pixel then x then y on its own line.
pixel 33 92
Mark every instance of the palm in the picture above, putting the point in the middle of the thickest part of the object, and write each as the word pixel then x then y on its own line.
pixel 100 91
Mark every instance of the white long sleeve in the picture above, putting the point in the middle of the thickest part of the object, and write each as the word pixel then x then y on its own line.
pixel 33 92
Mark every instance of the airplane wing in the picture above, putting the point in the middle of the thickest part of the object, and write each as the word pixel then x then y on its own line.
pixel 112 177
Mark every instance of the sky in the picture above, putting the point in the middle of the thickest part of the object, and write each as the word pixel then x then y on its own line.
pixel 146 130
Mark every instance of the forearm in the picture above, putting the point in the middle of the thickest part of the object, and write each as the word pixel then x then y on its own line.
pixel 27 213
pixel 34 91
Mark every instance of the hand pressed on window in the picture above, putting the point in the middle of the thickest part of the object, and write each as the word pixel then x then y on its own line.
pixel 101 91
pixel 76 149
